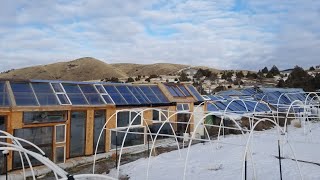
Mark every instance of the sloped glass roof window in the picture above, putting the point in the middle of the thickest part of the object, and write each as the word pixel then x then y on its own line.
pixel 115 95
pixel 4 98
pixel 127 95
pixel 172 91
pixel 149 93
pixel 57 87
pixel 212 107
pixel 184 90
pixel 264 107
pixel 100 89
pixel 251 105
pixel 23 94
pixel 239 105
pixel 60 93
pixel 104 94
pixel 91 94
pixel 141 98
pixel 159 94
pixel 75 95
pixel 195 92
pixel 45 94
pixel 220 105
pixel 178 91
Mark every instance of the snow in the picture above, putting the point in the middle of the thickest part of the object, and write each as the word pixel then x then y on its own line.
pixel 206 161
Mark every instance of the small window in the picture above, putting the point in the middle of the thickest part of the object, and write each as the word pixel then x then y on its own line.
pixel 124 118
pixel 183 107
pixel 60 93
pixel 60 155
pixel 61 133
pixel 44 117
pixel 159 115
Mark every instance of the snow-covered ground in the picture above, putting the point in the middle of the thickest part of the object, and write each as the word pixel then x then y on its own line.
pixel 208 162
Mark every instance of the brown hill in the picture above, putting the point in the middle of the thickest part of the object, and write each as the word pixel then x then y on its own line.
pixel 82 69
pixel 148 69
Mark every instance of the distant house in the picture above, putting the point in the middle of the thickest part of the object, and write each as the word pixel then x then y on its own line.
pixel 190 72
pixel 318 67
pixel 286 72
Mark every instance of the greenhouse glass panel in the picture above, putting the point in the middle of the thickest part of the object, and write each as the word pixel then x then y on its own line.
pixel 195 93
pixel 75 95
pixel 138 95
pixel 45 94
pixel 178 91
pixel 172 91
pixel 4 98
pixel 115 95
pixel 128 96
pixel 91 94
pixel 184 90
pixel 159 94
pixel 149 93
pixel 23 94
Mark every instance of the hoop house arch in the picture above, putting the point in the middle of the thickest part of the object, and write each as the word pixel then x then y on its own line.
pixel 192 137
pixel 279 135
pixel 224 113
pixel 153 142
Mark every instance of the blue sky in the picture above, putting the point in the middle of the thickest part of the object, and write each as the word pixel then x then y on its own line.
pixel 224 34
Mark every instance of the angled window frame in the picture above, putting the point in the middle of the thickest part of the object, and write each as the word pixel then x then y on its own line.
pixel 105 93
pixel 62 93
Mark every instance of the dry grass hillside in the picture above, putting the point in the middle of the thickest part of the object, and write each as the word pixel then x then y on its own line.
pixel 87 68
pixel 82 69
pixel 148 69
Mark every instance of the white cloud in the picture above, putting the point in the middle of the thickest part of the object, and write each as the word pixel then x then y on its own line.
pixel 212 33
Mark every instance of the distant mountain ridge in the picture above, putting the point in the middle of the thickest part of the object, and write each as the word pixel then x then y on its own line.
pixel 88 68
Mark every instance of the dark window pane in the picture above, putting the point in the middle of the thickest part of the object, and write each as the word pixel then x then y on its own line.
pixel 99 121
pixel 185 106
pixel 115 95
pixel 60 154
pixel 60 134
pixel 87 88
pixel 155 115
pixel 108 99
pixel 4 98
pixel 131 139
pixel 123 119
pixel 63 99
pixel 40 136
pixel 179 107
pixel 75 95
pixel 137 120
pixel 57 87
pixel 128 96
pixel 77 133
pixel 23 94
pixel 100 89
pixel 45 94
pixel 159 93
pixel 44 116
